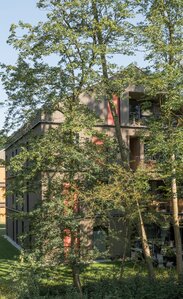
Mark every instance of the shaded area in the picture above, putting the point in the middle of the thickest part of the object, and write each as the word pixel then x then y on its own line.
pixel 102 280
pixel 99 280
pixel 7 251
pixel 8 255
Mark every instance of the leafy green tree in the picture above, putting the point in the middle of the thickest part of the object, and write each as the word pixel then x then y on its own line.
pixel 82 36
pixel 161 36
pixel 132 199
pixel 67 167
pixel 71 35
pixel 3 139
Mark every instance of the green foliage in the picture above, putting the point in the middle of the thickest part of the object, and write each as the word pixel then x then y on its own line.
pixel 81 35
pixel 69 35
pixel 161 36
pixel 8 258
pixel 162 30
pixel 67 167
pixel 162 39
pixel 121 193
pixel 7 251
pixel 104 284
pixel 3 140
pixel 135 288
pixel 73 38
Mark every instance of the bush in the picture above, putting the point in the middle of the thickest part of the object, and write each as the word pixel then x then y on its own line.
pixel 35 282
pixel 135 288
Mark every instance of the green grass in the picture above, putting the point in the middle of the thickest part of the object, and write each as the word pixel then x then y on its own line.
pixel 61 277
pixel 101 271
pixel 7 251
pixel 8 255
pixel 98 278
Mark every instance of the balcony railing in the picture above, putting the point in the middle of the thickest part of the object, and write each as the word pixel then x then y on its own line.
pixel 137 119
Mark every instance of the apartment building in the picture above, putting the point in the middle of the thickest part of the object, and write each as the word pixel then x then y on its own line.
pixel 132 119
pixel 16 227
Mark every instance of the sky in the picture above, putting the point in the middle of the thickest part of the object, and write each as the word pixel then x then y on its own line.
pixel 12 11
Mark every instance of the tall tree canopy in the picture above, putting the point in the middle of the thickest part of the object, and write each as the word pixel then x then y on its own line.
pixel 161 36
pixel 80 36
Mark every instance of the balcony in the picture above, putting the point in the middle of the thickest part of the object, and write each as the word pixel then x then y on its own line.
pixel 136 120
pixel 141 112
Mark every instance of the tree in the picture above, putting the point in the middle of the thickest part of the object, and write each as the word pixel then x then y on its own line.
pixel 161 34
pixel 131 200
pixel 3 139
pixel 82 36
pixel 70 33
pixel 67 167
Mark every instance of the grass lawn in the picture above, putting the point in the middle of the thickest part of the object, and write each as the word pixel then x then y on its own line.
pixel 8 255
pixel 61 277
pixel 103 270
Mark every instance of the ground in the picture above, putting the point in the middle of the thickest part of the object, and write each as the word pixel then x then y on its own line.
pixel 8 255
pixel 100 280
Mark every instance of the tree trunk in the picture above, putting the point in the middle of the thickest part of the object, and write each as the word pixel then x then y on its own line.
pixel 75 265
pixel 145 245
pixel 109 93
pixel 178 242
pixel 76 279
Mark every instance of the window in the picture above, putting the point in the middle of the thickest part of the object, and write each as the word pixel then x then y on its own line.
pixel 134 110
pixel 13 229
pixel 27 199
pixel 16 223
pixel 13 200
pixel 100 236
pixel 23 228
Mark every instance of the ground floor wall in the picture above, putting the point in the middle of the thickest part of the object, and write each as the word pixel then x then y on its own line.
pixel 109 239
pixel 96 239
pixel 15 227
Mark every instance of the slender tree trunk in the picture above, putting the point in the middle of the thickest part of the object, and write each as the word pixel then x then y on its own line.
pixel 145 245
pixel 75 266
pixel 76 279
pixel 109 93
pixel 178 242
pixel 122 147
pixel 176 226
